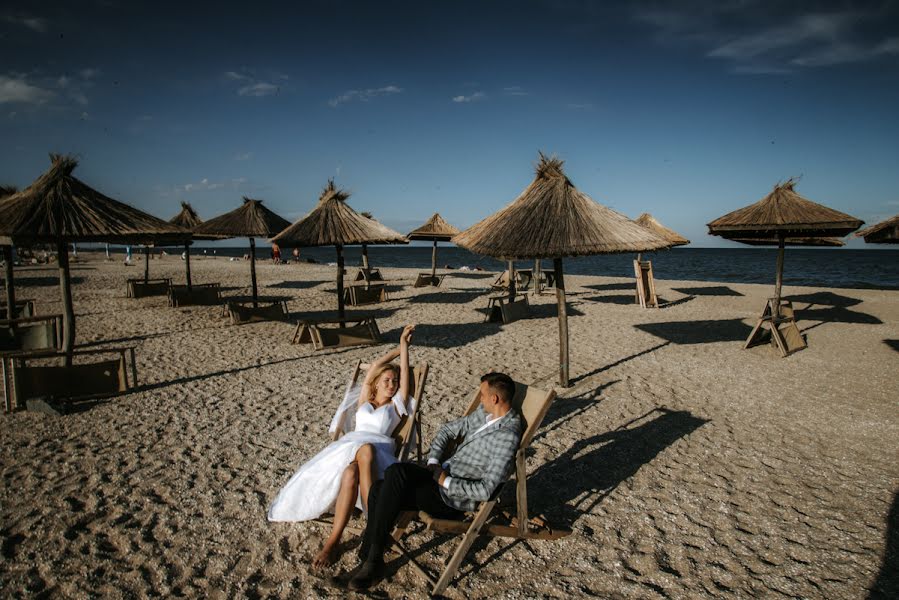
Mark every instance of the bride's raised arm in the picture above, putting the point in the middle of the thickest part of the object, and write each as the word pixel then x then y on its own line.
pixel 405 340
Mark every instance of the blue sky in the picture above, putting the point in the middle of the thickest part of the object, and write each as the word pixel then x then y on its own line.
pixel 687 110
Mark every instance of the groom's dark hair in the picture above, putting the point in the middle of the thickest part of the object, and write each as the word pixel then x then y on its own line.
pixel 502 384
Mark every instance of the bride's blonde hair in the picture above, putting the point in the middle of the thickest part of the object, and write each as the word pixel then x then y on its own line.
pixel 373 388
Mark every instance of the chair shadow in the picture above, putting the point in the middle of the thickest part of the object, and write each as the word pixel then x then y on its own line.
pixel 470 275
pixel 622 299
pixel 205 376
pixel 296 285
pixel 601 287
pixel 665 304
pixel 580 378
pixel 447 335
pixel 541 311
pixel 44 281
pixel 894 344
pixel 564 410
pixel 141 337
pixel 447 297
pixel 712 290
pixel 887 583
pixel 825 298
pixel 350 314
pixel 698 332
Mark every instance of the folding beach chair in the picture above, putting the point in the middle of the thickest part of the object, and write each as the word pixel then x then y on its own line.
pixel 141 288
pixel 501 282
pixel 23 308
pixel 241 313
pixel 426 279
pixel 500 309
pixel 197 294
pixel 782 329
pixel 532 404
pixel 331 332
pixel 646 285
pixel 369 275
pixel 523 278
pixel 31 333
pixel 356 295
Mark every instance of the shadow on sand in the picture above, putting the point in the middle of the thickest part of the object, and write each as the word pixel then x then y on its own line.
pixel 447 297
pixel 887 583
pixel 614 299
pixel 43 281
pixel 713 290
pixel 447 335
pixel 894 344
pixel 828 307
pixel 698 332
pixel 602 287
pixel 296 285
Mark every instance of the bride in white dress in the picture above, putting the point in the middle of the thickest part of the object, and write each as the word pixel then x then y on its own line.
pixel 340 476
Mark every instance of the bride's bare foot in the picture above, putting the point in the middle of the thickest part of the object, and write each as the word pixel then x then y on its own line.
pixel 327 556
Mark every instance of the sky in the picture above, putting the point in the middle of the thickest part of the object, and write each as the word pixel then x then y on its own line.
pixel 687 110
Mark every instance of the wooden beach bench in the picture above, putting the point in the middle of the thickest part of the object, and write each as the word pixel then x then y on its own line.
pixel 532 404
pixel 30 382
pixel 241 313
pixel 523 278
pixel 500 309
pixel 783 331
pixel 547 279
pixel 425 280
pixel 329 332
pixel 357 295
pixel 141 288
pixel 369 275
pixel 196 295
pixel 31 333
pixel 24 308
pixel 646 285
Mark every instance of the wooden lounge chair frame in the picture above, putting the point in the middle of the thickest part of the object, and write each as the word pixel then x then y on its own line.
pixel 533 405
pixel 426 280
pixel 141 288
pixel 646 284
pixel 24 382
pixel 523 278
pixel 546 280
pixel 34 333
pixel 369 275
pixel 336 333
pixel 241 313
pixel 499 308
pixel 783 330
pixel 357 295
pixel 24 308
pixel 197 294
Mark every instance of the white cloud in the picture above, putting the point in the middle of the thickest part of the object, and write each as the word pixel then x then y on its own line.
pixel 243 156
pixel 33 23
pixel 470 98
pixel 259 89
pixel 364 95
pixel 235 76
pixel 16 89
pixel 515 90
pixel 580 106
pixel 254 87
pixel 204 185
pixel 89 73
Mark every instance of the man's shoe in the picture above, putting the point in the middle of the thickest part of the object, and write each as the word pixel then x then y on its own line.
pixel 369 574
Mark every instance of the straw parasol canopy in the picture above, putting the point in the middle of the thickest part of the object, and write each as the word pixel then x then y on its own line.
pixel 333 223
pixel 816 242
pixel 649 222
pixel 885 232
pixel 250 220
pixel 8 190
pixel 435 229
pixel 553 219
pixel 188 219
pixel 59 208
pixel 781 215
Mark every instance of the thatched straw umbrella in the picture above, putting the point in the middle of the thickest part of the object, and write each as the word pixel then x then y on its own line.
pixel 885 232
pixel 251 220
pixel 60 209
pixel 190 220
pixel 333 223
pixel 672 237
pixel 435 229
pixel 553 219
pixel 8 190
pixel 781 215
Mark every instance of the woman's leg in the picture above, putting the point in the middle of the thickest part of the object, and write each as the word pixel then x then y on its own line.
pixel 343 509
pixel 365 457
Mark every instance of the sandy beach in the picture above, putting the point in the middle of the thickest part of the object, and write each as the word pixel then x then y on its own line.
pixel 685 465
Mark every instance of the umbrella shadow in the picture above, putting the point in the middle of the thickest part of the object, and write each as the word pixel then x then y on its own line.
pixel 887 583
pixel 470 275
pixel 665 304
pixel 596 371
pixel 828 307
pixel 712 290
pixel 448 335
pixel 205 376
pixel 621 299
pixel 698 332
pixel 350 315
pixel 824 298
pixel 296 285
pixel 577 481
pixel 601 287
pixel 44 281
pixel 894 344
pixel 542 311
pixel 447 297
pixel 565 409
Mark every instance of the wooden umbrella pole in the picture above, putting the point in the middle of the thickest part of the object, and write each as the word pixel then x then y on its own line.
pixel 65 286
pixel 780 274
pixel 365 256
pixel 536 276
pixel 434 261
pixel 511 271
pixel 187 263
pixel 10 289
pixel 340 311
pixel 146 264
pixel 563 323
pixel 253 271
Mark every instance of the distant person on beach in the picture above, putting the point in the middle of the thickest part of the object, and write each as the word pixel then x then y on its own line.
pixel 450 484
pixel 127 255
pixel 296 255
pixel 276 254
pixel 340 476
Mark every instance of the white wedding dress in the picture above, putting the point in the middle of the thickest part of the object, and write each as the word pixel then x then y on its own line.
pixel 313 489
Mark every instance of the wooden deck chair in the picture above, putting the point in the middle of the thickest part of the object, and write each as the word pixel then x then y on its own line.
pixel 24 308
pixel 31 333
pixel 357 295
pixel 336 333
pixel 369 275
pixel 141 288
pixel 532 404
pixel 646 285
pixel 29 381
pixel 241 313
pixel 523 278
pixel 407 432
pixel 499 309
pixel 501 282
pixel 425 280
pixel 197 294
pixel 783 330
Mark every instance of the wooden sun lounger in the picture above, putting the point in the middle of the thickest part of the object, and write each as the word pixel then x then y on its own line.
pixel 30 382
pixel 646 284
pixel 523 278
pixel 425 280
pixel 546 280
pixel 141 288
pixel 198 294
pixel 357 295
pixel 783 330
pixel 24 308
pixel 499 309
pixel 242 313
pixel 533 405
pixel 31 333
pixel 369 275
pixel 330 332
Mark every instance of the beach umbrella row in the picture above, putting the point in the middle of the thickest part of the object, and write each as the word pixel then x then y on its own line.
pixel 885 232
pixel 435 229
pixel 5 191
pixel 188 219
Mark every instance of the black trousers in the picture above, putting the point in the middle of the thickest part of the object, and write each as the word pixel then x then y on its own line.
pixel 405 487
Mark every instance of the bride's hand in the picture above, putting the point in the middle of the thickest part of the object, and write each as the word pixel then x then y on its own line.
pixel 406 335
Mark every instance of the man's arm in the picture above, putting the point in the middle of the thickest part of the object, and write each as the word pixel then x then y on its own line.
pixel 451 431
pixel 500 448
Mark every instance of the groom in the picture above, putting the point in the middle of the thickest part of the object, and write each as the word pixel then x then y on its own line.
pixel 449 485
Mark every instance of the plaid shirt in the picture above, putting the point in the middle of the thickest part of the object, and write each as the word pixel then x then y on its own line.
pixel 482 461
